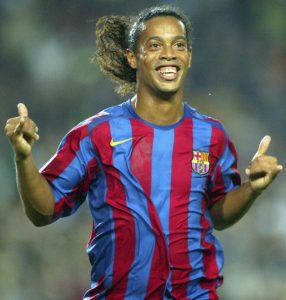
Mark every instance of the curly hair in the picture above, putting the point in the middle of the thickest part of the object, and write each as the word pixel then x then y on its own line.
pixel 114 34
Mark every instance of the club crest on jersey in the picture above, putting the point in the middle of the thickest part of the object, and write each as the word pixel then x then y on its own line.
pixel 200 162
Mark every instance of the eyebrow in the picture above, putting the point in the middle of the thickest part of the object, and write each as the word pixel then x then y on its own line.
pixel 178 37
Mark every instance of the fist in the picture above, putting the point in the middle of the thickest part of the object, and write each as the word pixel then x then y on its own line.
pixel 21 132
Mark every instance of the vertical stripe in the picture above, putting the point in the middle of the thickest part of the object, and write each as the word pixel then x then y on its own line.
pixel 202 244
pixel 201 139
pixel 124 232
pixel 161 180
pixel 101 248
pixel 208 241
pixel 179 204
pixel 102 216
pixel 141 166
pixel 161 175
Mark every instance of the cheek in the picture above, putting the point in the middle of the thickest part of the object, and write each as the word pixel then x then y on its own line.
pixel 145 63
pixel 186 62
pixel 146 55
pixel 141 53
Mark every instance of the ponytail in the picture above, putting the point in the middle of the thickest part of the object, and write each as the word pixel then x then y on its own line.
pixel 112 41
pixel 114 34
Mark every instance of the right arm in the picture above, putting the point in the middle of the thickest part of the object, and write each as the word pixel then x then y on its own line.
pixel 34 190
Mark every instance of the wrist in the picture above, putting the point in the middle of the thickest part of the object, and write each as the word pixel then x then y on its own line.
pixel 22 158
pixel 253 191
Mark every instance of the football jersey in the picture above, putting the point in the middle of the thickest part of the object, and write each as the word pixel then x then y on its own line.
pixel 150 189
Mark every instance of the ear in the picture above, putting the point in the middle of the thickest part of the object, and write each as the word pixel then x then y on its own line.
pixel 131 58
pixel 190 58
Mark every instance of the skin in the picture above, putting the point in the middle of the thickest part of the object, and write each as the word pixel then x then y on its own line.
pixel 261 172
pixel 34 190
pixel 159 100
pixel 162 42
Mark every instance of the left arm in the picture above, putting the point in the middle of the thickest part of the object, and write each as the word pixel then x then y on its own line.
pixel 262 171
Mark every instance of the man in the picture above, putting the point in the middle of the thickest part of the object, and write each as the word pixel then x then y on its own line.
pixel 158 174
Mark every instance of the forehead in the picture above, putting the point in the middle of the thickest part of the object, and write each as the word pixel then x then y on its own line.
pixel 162 26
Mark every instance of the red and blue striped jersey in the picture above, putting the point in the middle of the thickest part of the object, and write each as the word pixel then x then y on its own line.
pixel 149 190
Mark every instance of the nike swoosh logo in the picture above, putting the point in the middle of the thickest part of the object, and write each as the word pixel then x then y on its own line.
pixel 116 143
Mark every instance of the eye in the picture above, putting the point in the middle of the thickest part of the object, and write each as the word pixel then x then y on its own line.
pixel 180 45
pixel 154 45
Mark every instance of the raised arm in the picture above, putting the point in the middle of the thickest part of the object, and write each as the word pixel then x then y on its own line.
pixel 261 171
pixel 33 188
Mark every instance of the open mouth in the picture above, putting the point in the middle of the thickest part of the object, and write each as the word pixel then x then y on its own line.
pixel 169 72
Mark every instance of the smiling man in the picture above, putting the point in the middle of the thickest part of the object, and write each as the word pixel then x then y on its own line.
pixel 162 58
pixel 159 175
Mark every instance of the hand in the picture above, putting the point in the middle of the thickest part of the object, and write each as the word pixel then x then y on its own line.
pixel 263 168
pixel 22 132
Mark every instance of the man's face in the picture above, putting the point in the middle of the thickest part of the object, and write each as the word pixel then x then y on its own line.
pixel 163 57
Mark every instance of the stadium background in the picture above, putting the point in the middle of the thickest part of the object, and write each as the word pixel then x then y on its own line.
pixel 238 76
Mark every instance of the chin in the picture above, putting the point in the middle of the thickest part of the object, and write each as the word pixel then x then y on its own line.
pixel 170 86
pixel 167 93
pixel 166 88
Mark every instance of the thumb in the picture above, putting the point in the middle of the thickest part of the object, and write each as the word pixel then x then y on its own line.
pixel 263 146
pixel 22 110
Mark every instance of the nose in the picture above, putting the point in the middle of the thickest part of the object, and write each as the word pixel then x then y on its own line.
pixel 168 53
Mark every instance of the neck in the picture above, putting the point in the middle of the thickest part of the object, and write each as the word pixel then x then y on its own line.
pixel 158 110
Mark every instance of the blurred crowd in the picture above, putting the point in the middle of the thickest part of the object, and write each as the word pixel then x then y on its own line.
pixel 238 75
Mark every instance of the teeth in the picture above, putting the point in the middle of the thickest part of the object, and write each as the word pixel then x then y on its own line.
pixel 165 70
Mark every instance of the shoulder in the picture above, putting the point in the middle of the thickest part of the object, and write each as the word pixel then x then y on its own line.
pixel 205 120
pixel 86 126
pixel 84 129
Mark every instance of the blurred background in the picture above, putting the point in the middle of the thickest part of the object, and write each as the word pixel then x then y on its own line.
pixel 238 75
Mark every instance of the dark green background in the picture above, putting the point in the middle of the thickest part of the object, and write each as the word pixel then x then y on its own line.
pixel 238 75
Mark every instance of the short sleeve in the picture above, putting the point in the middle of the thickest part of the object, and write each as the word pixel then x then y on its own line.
pixel 70 171
pixel 226 175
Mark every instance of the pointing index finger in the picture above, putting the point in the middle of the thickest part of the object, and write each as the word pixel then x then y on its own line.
pixel 22 110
